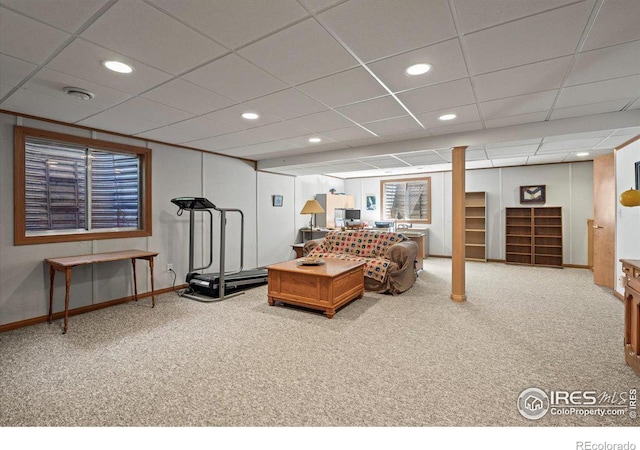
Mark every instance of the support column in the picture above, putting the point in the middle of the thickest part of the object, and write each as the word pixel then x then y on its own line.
pixel 457 235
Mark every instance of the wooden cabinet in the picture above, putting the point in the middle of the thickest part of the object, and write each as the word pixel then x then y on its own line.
pixel 329 203
pixel 631 268
pixel 533 236
pixel 475 226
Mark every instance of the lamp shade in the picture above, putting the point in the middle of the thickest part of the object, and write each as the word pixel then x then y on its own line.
pixel 312 207
pixel 630 197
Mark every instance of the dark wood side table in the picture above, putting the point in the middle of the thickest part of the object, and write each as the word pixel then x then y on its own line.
pixel 631 268
pixel 299 249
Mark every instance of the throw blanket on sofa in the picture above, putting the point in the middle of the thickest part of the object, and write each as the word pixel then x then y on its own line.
pixel 367 246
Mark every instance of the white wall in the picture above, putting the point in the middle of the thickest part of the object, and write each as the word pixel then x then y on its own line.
pixel 568 185
pixel 628 219
pixel 276 225
pixel 306 188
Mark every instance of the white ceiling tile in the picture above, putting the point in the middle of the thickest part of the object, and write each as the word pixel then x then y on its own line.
pixel 190 130
pixel 469 155
pixel 613 142
pixel 505 162
pixel 533 141
pixel 233 116
pixel 188 97
pixel 445 58
pixel 421 158
pixel 631 131
pixel 516 150
pixel 347 134
pixel 27 39
pixel 279 130
pixel 237 22
pixel 475 15
pixel 318 5
pixel 287 54
pixel 516 120
pixel 227 141
pixel 5 88
pixel 383 162
pixel 285 104
pixel 175 48
pixel 260 150
pixel 573 157
pixel 478 164
pixel 617 22
pixel 114 120
pixel 547 159
pixel 13 70
pixel 344 88
pixel 571 145
pixel 441 167
pixel 600 91
pixel 611 62
pixel 635 105
pixel 66 109
pixel 67 15
pixel 440 96
pixel 522 104
pixel 370 110
pixel 52 83
pixel 151 111
pixel 377 28
pixel 171 133
pixel 543 36
pixel 521 80
pixel 322 121
pixel 587 110
pixel 235 78
pixel 393 126
pixel 467 113
pixel 303 141
pixel 456 128
pixel 587 135
pixel 84 60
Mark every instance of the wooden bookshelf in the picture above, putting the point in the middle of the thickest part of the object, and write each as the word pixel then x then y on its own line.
pixel 475 226
pixel 533 236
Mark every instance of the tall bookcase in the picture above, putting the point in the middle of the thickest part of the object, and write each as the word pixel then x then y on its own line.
pixel 534 236
pixel 475 226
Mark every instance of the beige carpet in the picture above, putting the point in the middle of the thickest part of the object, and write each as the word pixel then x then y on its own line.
pixel 417 359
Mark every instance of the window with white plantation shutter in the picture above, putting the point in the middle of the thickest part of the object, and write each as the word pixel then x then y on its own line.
pixel 76 188
pixel 406 200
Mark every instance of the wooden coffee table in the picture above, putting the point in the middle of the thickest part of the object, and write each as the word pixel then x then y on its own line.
pixel 325 287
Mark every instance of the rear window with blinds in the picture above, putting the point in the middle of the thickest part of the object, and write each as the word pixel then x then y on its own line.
pixel 76 187
pixel 406 200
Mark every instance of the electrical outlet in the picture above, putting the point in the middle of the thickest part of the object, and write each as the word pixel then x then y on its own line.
pixel 169 267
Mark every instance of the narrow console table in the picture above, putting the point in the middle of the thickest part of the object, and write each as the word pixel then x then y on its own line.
pixel 65 264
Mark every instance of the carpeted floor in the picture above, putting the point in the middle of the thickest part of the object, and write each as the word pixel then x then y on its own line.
pixel 417 359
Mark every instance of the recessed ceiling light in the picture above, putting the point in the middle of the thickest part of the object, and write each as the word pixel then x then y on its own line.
pixel 582 154
pixel 250 116
pixel 80 93
pixel 447 117
pixel 118 66
pixel 417 69
pixel 314 140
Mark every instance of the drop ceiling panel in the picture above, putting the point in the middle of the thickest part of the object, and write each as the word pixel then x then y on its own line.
pixel 586 110
pixel 475 15
pixel 302 141
pixel 383 162
pixel 117 121
pixel 543 36
pixel 27 39
pixel 346 166
pixel 256 150
pixel 377 29
pixel 35 103
pixel 172 134
pixel 421 158
pixel 614 141
pixel 611 62
pixel 279 130
pixel 578 136
pixel 151 111
pixel 445 58
pixel 467 113
pixel 505 162
pixel 233 116
pixel 370 110
pixel 631 131
pixel 5 89
pixel 393 126
pixel 84 60
pixel 233 77
pixel 522 104
pixel 571 145
pixel 193 129
pixel 319 5
pixel 547 159
pixel 516 120
pixel 573 157
pixel 343 88
pixel 617 22
pixel 188 97
pixel 599 92
pixel 227 141
pixel 535 141
pixel 126 28
pixel 456 128
pixel 440 96
pixel 520 80
pixel 13 70
pixel 469 155
pixel 67 16
pixel 287 54
pixel 516 150
pixel 286 104
pixel 322 121
pixel 479 164
pixel 237 22
pixel 348 133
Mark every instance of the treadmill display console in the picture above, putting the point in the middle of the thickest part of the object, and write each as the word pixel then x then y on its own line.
pixel 189 203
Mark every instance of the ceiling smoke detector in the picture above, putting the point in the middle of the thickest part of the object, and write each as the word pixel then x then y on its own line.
pixel 80 93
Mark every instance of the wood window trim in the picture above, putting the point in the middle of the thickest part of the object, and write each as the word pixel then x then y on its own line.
pixel 20 135
pixel 427 180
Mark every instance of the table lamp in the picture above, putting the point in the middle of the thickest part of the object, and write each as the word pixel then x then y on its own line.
pixel 312 207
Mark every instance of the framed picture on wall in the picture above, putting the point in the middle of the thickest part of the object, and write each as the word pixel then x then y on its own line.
pixel 533 194
pixel 276 200
pixel 371 202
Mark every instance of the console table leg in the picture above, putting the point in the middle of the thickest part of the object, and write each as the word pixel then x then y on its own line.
pixel 67 284
pixel 153 297
pixel 52 276
pixel 135 283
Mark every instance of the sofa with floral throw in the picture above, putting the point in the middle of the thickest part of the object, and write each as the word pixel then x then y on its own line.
pixel 390 258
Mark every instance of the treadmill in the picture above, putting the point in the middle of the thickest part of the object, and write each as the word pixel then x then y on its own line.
pixel 209 287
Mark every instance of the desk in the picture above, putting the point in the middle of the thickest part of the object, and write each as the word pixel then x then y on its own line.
pixel 319 232
pixel 65 264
